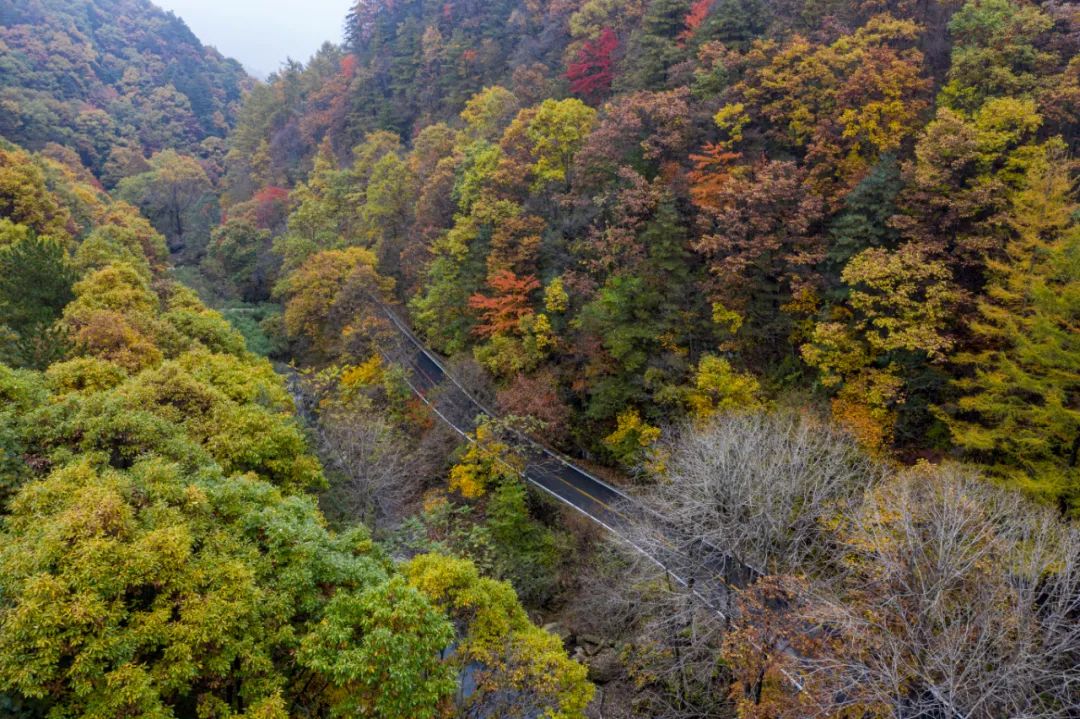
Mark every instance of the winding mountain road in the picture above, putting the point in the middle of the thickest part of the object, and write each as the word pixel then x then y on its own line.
pixel 706 571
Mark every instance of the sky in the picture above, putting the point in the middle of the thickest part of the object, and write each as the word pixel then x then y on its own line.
pixel 262 33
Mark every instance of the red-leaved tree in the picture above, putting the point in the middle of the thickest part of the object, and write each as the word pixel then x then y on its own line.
pixel 696 18
pixel 271 207
pixel 501 313
pixel 591 73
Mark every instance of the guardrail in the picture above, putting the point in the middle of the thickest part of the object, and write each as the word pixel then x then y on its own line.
pixel 704 570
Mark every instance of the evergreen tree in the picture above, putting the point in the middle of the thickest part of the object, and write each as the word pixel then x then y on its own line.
pixel 323 217
pixel 35 285
pixel 864 221
pixel 644 318
pixel 734 22
pixel 656 46
pixel 1020 406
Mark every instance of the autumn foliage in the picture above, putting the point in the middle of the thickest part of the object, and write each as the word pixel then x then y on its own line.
pixel 712 195
pixel 592 71
pixel 510 301
pixel 757 257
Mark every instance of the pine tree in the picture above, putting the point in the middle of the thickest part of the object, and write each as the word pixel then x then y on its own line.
pixel 35 285
pixel 735 22
pixel 864 222
pixel 1020 409
pixel 656 47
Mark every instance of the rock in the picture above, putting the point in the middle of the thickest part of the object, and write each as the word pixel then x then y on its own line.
pixel 604 666
pixel 560 631
pixel 592 639
pixel 591 643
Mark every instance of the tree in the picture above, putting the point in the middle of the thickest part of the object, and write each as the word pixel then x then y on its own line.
pixel 537 398
pixel 642 131
pixel 123 162
pixel 900 307
pixel 761 486
pixel 763 651
pixel 929 591
pixel 160 556
pixel 520 670
pixel 25 199
pixel 20 391
pixel 331 295
pixel 113 317
pixel 201 563
pixel 592 71
pixel 169 119
pixel 719 388
pixel 593 16
pixel 699 11
pixel 735 23
pixel 956 598
pixel 393 667
pixel 112 245
pixel 324 216
pixel 997 53
pixel 632 444
pixel 237 257
pixel 35 285
pixel 556 298
pixel 387 212
pixel 502 314
pixel 488 112
pixel 175 194
pixel 637 329
pixel 1018 409
pixel 527 553
pixel 957 187
pixel 373 473
pixel 864 99
pixel 486 462
pixel 901 300
pixel 764 247
pixel 161 485
pixel 116 676
pixel 655 46
pixel 490 235
pixel 557 132
pixel 864 222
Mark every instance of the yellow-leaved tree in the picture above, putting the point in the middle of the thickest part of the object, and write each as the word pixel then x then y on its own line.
pixel 518 668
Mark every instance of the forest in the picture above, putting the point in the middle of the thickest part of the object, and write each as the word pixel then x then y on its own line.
pixel 799 280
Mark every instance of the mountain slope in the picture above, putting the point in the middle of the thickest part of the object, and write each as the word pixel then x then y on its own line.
pixel 115 80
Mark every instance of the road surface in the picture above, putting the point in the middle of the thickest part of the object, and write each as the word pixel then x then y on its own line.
pixel 707 571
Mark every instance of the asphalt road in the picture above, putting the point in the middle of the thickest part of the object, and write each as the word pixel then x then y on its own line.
pixel 547 470
pixel 706 569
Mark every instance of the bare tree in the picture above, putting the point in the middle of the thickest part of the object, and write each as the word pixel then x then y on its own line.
pixel 928 594
pixel 756 487
pixel 759 486
pixel 960 600
pixel 375 472
pixel 671 641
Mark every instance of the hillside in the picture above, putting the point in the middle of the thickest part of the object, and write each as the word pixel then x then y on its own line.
pixel 160 550
pixel 801 274
pixel 114 80
pixel 632 211
pixel 577 359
